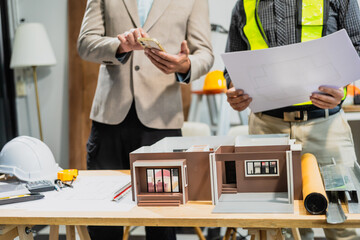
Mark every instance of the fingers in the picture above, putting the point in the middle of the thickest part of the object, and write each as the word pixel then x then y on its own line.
pixel 335 92
pixel 129 38
pixel 143 33
pixel 322 104
pixel 184 48
pixel 137 34
pixel 124 46
pixel 237 99
pixel 324 101
pixel 328 98
pixel 169 63
pixel 132 36
pixel 159 65
pixel 163 55
pixel 241 106
pixel 122 38
pixel 232 92
pixel 176 59
pixel 159 56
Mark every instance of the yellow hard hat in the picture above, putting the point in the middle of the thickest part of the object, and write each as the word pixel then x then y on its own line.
pixel 214 80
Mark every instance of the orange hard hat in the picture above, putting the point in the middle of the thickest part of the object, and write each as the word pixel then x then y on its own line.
pixel 214 80
pixel 352 90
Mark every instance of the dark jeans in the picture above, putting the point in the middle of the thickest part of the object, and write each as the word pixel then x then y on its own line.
pixel 108 147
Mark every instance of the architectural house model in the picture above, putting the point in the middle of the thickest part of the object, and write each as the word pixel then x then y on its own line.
pixel 243 174
pixel 260 173
pixel 182 156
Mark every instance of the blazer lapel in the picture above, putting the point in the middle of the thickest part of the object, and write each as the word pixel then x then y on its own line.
pixel 157 9
pixel 131 6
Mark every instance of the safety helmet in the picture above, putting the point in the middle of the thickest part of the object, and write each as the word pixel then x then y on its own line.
pixel 214 80
pixel 352 90
pixel 28 159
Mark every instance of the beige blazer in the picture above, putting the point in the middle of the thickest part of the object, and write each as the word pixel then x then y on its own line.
pixel 157 95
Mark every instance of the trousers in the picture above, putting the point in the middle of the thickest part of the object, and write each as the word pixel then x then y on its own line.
pixel 108 147
pixel 328 138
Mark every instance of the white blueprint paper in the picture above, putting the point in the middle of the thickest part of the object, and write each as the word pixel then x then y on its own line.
pixel 90 193
pixel 282 76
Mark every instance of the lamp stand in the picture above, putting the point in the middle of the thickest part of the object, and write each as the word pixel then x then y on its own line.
pixel 37 102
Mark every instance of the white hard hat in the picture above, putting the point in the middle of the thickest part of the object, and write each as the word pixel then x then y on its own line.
pixel 28 159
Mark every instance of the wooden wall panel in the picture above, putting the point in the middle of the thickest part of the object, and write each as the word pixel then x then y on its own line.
pixel 82 84
pixel 186 99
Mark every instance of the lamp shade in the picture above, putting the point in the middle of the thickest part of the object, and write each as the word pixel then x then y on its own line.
pixel 31 47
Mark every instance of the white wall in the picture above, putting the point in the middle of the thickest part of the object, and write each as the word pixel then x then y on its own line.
pixel 52 81
pixel 220 13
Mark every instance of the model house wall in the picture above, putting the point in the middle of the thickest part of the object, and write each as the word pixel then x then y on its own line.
pixel 218 165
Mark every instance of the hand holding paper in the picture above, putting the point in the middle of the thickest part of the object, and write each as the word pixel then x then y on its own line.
pixel 328 98
pixel 237 99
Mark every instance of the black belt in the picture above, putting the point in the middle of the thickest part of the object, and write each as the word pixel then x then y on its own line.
pixel 301 115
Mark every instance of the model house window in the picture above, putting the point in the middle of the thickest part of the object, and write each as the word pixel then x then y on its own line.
pixel 261 168
pixel 162 180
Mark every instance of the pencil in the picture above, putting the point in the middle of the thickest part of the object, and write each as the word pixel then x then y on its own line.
pixel 20 198
pixel 119 194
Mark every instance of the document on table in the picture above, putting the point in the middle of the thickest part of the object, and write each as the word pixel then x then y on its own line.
pixel 8 189
pixel 90 193
pixel 282 76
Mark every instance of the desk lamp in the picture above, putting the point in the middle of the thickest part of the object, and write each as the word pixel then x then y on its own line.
pixel 32 49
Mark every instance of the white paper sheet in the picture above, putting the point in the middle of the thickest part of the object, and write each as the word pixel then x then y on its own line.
pixel 282 76
pixel 8 189
pixel 90 193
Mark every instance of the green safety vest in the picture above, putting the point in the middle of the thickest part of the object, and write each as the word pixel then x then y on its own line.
pixel 312 17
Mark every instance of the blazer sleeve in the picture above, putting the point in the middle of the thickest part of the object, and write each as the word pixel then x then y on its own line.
pixel 92 43
pixel 199 39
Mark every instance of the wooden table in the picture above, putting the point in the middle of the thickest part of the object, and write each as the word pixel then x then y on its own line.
pixel 351 108
pixel 352 112
pixel 188 215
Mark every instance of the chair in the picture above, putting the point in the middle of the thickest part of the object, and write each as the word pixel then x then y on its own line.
pixel 238 130
pixel 191 129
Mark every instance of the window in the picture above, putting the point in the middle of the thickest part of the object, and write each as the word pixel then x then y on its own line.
pixel 262 168
pixel 162 180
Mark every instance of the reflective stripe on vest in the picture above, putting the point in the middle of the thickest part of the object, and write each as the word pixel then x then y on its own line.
pixel 312 16
pixel 253 29
pixel 312 19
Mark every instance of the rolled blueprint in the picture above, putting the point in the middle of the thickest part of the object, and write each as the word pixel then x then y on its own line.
pixel 315 200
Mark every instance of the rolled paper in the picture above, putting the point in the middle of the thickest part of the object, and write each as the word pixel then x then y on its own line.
pixel 315 199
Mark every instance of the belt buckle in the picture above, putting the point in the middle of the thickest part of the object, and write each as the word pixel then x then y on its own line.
pixel 296 116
